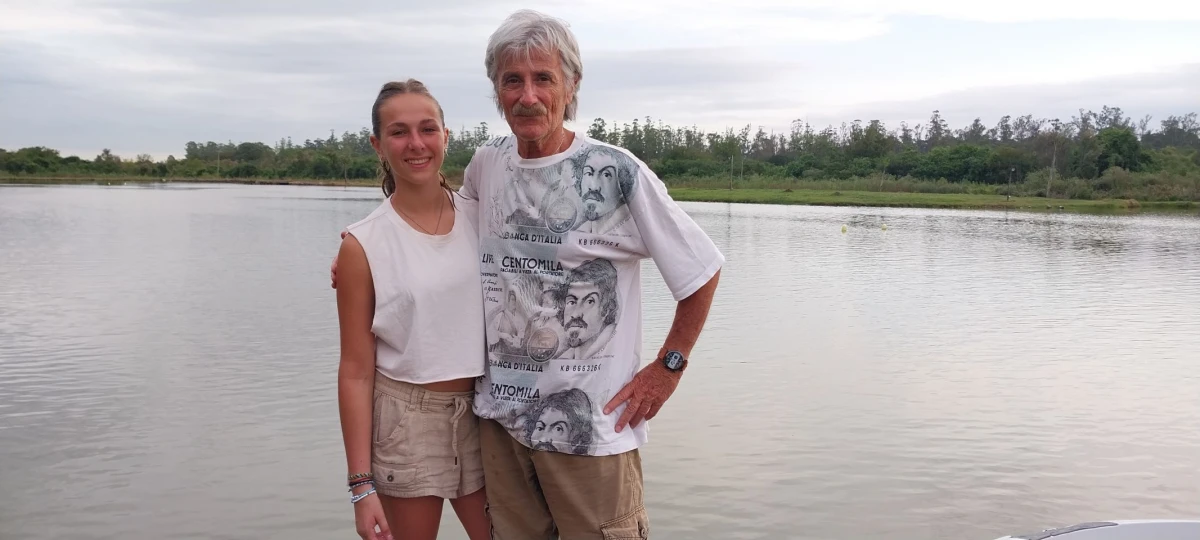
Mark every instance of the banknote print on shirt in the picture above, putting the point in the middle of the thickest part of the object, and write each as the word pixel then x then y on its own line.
pixel 586 193
pixel 561 245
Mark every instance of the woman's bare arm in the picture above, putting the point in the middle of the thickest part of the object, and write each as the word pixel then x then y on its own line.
pixel 356 370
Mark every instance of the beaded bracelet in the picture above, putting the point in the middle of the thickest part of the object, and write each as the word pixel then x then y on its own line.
pixel 358 476
pixel 360 483
pixel 361 496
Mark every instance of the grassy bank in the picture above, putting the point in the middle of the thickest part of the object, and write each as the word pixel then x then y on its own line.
pixel 1115 183
pixel 922 200
pixel 454 176
pixel 1113 192
pixel 116 180
pixel 119 180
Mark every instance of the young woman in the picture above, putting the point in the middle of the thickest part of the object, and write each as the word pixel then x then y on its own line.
pixel 410 308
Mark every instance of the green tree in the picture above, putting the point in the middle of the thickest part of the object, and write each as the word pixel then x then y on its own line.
pixel 1119 147
pixel 938 131
pixel 872 141
pixel 1177 131
pixel 107 163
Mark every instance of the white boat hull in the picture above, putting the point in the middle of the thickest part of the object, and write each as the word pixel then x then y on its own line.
pixel 1119 530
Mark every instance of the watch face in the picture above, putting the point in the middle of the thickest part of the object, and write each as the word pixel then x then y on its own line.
pixel 674 360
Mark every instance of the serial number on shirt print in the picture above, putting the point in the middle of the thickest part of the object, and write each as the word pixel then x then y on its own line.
pixel 598 242
pixel 575 368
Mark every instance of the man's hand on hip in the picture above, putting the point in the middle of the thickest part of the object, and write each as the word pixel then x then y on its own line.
pixel 654 384
pixel 645 395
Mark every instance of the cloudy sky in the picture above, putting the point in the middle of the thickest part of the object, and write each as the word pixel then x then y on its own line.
pixel 146 76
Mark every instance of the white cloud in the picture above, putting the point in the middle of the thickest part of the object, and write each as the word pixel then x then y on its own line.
pixel 55 18
pixel 1022 10
pixel 147 76
pixel 1157 93
pixel 967 10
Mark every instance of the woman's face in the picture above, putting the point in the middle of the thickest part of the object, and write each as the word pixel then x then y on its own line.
pixel 411 138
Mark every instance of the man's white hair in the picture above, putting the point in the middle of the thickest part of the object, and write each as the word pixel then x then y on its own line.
pixel 526 31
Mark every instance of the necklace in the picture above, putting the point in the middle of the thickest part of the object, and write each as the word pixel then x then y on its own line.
pixel 562 134
pixel 441 208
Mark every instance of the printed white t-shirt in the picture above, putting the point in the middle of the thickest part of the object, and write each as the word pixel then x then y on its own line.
pixel 561 240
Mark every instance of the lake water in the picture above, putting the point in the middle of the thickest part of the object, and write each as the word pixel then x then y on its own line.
pixel 168 356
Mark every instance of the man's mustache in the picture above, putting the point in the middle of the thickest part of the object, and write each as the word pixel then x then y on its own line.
pixel 536 110
pixel 576 321
pixel 593 194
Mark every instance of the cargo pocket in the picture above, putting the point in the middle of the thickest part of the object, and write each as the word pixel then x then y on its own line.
pixel 390 418
pixel 633 526
pixel 396 480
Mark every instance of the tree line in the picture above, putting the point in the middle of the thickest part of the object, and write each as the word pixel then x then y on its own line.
pixel 347 157
pixel 1015 149
pixel 1084 147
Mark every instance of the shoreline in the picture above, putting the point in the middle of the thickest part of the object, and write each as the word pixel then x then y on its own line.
pixel 102 181
pixel 953 201
pixel 797 197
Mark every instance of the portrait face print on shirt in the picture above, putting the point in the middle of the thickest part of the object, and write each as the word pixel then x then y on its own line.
pixel 604 181
pixel 589 306
pixel 552 428
pixel 598 186
pixel 561 422
pixel 582 313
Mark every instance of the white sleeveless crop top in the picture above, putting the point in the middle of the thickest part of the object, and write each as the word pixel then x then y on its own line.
pixel 428 321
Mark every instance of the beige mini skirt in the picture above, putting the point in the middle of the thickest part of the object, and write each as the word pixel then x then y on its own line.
pixel 424 443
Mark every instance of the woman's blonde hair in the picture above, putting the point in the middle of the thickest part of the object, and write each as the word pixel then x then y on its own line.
pixel 395 88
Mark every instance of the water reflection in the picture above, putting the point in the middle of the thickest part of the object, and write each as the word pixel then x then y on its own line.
pixel 168 353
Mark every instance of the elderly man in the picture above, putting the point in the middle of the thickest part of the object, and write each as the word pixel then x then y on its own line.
pixel 562 416
pixel 564 222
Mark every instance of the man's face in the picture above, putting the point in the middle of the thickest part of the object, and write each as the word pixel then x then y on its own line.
pixel 599 188
pixel 533 92
pixel 582 313
pixel 552 431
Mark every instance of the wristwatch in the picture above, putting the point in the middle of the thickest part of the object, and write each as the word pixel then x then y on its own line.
pixel 674 361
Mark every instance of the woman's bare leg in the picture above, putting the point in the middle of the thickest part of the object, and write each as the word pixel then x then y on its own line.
pixel 413 519
pixel 472 513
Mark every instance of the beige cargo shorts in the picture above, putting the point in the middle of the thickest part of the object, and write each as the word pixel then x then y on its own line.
pixel 541 495
pixel 424 443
